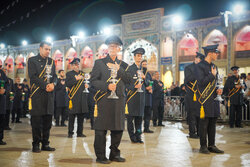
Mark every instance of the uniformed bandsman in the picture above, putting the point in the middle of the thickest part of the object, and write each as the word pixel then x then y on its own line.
pixel 109 113
pixel 191 104
pixel 3 86
pixel 78 104
pixel 233 91
pixel 135 100
pixel 148 97
pixel 158 100
pixel 209 108
pixel 41 102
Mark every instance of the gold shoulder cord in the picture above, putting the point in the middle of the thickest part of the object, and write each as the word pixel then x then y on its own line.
pixel 99 91
pixel 231 93
pixel 73 91
pixel 192 89
pixel 34 86
pixel 204 96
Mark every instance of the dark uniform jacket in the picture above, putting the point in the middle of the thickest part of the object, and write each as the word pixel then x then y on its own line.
pixel 42 101
pixel 80 99
pixel 10 88
pixel 111 112
pixel 18 90
pixel 62 99
pixel 148 96
pixel 27 92
pixel 236 98
pixel 158 93
pixel 204 77
pixel 135 100
pixel 3 78
pixel 190 79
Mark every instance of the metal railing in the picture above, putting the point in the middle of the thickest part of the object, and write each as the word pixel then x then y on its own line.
pixel 174 109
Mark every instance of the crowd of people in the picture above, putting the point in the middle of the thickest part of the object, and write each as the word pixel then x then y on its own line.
pixel 113 92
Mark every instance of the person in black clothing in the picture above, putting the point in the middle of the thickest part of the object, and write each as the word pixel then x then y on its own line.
pixel 109 113
pixel 191 103
pixel 91 105
pixel 18 99
pixel 78 100
pixel 233 89
pixel 42 74
pixel 26 90
pixel 135 99
pixel 9 101
pixel 148 97
pixel 158 100
pixel 209 108
pixel 3 86
pixel 61 99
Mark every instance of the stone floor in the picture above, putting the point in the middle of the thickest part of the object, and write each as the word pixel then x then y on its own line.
pixel 168 146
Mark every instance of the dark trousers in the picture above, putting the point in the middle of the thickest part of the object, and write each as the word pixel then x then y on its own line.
pixel 7 119
pixel 207 128
pixel 235 110
pixel 2 117
pixel 25 108
pixel 158 111
pixel 79 123
pixel 147 117
pixel 41 126
pixel 91 114
pixel 60 111
pixel 100 143
pixel 16 114
pixel 134 124
pixel 193 123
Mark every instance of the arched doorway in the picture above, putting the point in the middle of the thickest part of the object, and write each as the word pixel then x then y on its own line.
pixel 151 53
pixel 217 37
pixel 58 58
pixel 242 43
pixel 70 55
pixel 242 48
pixel 9 65
pixel 186 52
pixel 20 65
pixel 102 51
pixel 87 59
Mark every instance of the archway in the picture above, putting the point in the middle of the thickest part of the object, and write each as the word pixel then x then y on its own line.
pixel 151 53
pixel 70 55
pixel 186 52
pixel 168 47
pixel 58 58
pixel 242 43
pixel 217 37
pixel 9 65
pixel 20 65
pixel 87 59
pixel 187 48
pixel 102 51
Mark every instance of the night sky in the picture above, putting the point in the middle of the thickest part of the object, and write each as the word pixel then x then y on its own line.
pixel 33 20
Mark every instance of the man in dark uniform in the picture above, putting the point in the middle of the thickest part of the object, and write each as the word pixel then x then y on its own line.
pixel 18 99
pixel 209 108
pixel 26 91
pixel 148 97
pixel 135 100
pixel 109 113
pixel 3 86
pixel 233 89
pixel 78 104
pixel 42 74
pixel 158 100
pixel 191 103
pixel 91 105
pixel 61 99
pixel 9 101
